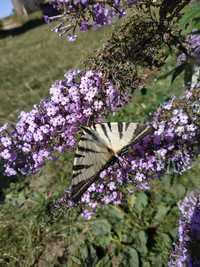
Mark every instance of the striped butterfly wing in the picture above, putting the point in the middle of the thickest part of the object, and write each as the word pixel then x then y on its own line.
pixel 91 156
pixel 97 149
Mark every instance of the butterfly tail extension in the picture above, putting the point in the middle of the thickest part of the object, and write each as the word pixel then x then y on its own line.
pixel 79 189
pixel 63 202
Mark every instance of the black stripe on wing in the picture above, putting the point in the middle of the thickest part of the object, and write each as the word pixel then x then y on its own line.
pixel 103 127
pixel 75 174
pixel 90 133
pixel 120 129
pixel 83 138
pixel 109 126
pixel 81 167
pixel 94 126
pixel 79 155
pixel 127 125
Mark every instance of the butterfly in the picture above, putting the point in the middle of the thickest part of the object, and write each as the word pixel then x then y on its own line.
pixel 99 147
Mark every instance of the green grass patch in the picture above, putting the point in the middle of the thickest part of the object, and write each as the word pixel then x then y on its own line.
pixel 32 61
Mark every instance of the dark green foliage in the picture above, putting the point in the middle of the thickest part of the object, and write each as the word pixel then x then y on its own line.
pixel 137 47
pixel 191 18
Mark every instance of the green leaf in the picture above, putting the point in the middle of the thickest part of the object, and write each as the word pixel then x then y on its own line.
pixel 141 241
pixel 101 227
pixel 188 73
pixel 165 75
pixel 115 217
pixel 190 14
pixel 163 244
pixel 141 202
pixel 76 260
pixel 179 192
pixel 101 232
pixel 160 214
pixel 130 258
pixel 177 71
pixel 131 200
pixel 83 252
pixel 146 264
pixel 105 261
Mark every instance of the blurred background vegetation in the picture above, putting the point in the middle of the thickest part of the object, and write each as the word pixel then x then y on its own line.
pixel 138 234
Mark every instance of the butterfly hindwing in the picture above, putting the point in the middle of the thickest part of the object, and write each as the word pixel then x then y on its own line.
pixel 97 148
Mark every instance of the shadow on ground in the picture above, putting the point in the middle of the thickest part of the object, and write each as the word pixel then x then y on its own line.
pixel 21 29
pixel 5 182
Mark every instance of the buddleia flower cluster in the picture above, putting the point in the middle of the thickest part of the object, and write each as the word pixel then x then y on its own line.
pixel 186 251
pixel 172 143
pixel 79 99
pixel 85 14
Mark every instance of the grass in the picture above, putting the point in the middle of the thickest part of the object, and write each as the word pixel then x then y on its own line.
pixel 140 233
pixel 32 61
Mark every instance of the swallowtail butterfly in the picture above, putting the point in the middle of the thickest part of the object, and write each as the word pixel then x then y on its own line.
pixel 99 147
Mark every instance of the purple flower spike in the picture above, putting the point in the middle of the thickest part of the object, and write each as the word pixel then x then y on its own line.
pixel 186 251
pixel 80 99
pixel 84 14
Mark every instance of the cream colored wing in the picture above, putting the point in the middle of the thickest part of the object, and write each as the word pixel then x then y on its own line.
pixel 97 148
pixel 91 155
pixel 116 134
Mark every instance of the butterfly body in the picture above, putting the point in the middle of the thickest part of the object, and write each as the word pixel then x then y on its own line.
pixel 99 147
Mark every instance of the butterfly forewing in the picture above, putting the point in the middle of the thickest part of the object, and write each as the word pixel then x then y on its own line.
pixel 91 155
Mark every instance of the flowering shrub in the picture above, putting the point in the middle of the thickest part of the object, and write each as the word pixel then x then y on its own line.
pixel 85 97
pixel 42 131
pixel 81 98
